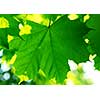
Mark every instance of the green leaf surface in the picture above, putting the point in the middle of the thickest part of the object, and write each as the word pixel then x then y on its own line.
pixel 3 38
pixel 97 63
pixel 13 24
pixel 94 37
pixel 49 48
pixel 12 30
pixel 8 53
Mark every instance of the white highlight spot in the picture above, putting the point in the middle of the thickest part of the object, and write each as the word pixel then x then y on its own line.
pixel 6 76
pixel 72 64
pixel 88 66
pixel 4 67
pixel 1 52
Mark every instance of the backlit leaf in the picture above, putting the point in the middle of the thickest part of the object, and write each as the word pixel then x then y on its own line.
pixel 49 48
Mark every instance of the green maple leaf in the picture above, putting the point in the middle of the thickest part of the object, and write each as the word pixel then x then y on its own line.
pixel 49 48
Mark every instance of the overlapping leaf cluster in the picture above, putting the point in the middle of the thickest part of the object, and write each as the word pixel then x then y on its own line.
pixel 49 44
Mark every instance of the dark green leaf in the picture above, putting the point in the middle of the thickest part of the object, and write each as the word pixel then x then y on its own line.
pixel 12 30
pixel 97 62
pixel 8 53
pixel 94 35
pixel 13 24
pixel 4 38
